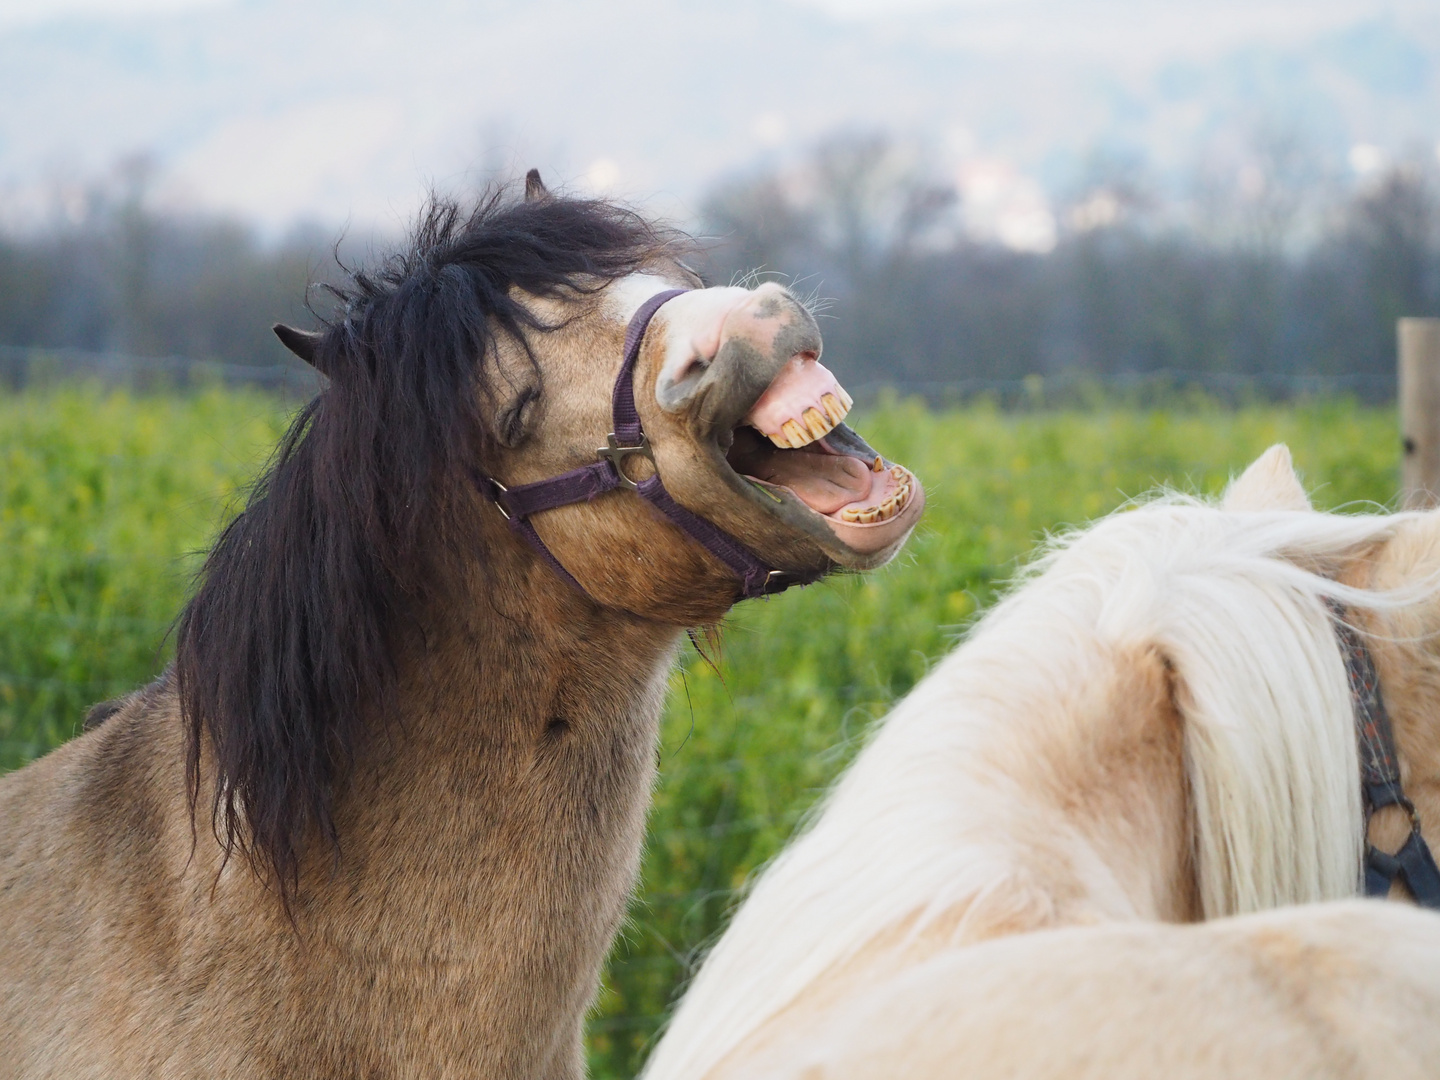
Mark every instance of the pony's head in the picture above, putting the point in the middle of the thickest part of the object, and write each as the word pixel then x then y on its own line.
pixel 491 348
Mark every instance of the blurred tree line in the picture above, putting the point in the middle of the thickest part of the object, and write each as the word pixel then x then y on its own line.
pixel 1276 274
pixel 1288 278
pixel 107 273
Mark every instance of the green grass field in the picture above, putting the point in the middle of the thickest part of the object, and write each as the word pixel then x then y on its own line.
pixel 105 499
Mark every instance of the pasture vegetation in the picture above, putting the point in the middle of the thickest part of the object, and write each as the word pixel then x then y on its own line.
pixel 108 499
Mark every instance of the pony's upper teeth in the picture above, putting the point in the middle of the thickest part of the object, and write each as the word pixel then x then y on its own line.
pixel 812 424
pixel 800 388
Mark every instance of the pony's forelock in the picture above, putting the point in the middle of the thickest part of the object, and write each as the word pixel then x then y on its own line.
pixel 287 648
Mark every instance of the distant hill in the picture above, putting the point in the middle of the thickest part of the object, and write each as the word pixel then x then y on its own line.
pixel 343 111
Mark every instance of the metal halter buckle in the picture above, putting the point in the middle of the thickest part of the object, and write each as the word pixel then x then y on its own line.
pixel 499 505
pixel 615 454
pixel 770 580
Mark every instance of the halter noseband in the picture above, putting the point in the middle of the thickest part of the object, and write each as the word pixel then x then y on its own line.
pixel 1380 777
pixel 628 439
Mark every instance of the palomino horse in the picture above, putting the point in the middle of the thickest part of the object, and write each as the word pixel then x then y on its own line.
pixel 1156 726
pixel 416 695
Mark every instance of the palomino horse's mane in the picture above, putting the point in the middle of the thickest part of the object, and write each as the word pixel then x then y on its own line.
pixel 915 831
pixel 287 646
pixel 1236 604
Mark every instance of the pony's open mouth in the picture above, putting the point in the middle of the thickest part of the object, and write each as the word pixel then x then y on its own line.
pixel 793 440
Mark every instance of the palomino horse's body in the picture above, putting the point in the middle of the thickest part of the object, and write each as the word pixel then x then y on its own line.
pixel 382 819
pixel 1329 991
pixel 1155 728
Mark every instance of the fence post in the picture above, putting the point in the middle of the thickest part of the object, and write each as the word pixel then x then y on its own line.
pixel 1419 388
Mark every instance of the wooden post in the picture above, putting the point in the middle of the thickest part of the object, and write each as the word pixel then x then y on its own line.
pixel 1419 413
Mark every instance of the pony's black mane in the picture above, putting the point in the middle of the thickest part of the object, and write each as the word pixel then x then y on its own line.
pixel 287 646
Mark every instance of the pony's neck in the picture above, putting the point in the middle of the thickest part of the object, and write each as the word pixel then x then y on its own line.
pixel 490 834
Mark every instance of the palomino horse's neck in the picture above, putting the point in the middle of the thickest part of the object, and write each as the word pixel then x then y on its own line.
pixel 490 833
pixel 991 802
pixel 1055 799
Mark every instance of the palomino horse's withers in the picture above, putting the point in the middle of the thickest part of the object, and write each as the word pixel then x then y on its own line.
pixel 420 756
pixel 1156 726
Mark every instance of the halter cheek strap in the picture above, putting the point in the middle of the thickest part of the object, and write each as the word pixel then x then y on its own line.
pixel 605 475
pixel 1380 777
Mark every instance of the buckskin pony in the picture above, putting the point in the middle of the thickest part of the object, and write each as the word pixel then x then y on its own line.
pixel 1154 728
pixel 383 817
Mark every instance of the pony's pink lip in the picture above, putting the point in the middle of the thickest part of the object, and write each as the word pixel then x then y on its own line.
pixel 875 536
pixel 803 403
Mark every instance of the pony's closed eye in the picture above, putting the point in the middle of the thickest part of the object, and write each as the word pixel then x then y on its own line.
pixel 515 421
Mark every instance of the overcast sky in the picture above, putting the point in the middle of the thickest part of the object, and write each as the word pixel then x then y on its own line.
pixel 345 110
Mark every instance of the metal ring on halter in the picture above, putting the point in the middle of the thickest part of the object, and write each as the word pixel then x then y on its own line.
pixel 616 454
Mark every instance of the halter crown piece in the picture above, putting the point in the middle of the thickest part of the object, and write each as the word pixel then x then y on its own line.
pixel 593 480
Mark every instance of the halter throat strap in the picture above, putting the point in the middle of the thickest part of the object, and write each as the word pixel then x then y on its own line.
pixel 1380 786
pixel 628 439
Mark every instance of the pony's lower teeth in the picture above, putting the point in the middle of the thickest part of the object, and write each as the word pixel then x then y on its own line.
pixel 893 504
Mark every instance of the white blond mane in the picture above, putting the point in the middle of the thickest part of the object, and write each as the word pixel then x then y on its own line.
pixel 914 829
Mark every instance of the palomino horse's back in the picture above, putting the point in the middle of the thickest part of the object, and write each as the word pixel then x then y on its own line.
pixel 1308 993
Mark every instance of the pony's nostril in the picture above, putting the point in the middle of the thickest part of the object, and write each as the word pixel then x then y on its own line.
pixel 693 366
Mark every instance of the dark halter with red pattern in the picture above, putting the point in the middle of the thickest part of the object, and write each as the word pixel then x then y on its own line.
pixel 591 481
pixel 1380 786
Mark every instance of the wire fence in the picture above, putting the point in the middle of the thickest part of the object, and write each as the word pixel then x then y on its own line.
pixel 1165 386
pixel 23 367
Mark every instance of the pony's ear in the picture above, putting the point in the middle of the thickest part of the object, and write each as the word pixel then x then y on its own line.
pixel 302 343
pixel 534 187
pixel 1269 483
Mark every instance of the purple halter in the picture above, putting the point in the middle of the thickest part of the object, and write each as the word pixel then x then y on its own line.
pixel 590 481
